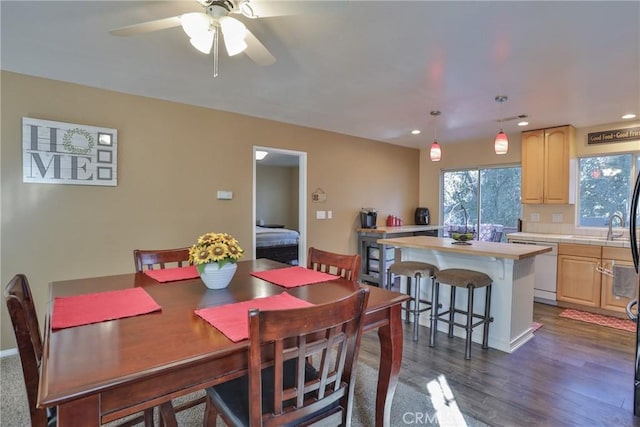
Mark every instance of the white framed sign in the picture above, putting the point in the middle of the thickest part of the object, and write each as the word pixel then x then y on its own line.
pixel 67 153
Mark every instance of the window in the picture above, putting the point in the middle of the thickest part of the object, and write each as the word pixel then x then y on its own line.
pixel 483 201
pixel 605 187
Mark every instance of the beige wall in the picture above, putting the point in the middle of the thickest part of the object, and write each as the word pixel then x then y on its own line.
pixel 172 158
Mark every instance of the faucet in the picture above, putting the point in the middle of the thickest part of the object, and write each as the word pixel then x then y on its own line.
pixel 610 235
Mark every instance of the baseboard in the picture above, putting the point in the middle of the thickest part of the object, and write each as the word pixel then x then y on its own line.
pixel 10 352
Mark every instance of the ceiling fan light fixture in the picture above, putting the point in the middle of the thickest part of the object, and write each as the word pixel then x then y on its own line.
pixel 195 24
pixel 234 33
pixel 203 42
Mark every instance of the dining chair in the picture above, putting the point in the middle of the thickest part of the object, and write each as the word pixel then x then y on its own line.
pixel 26 328
pixel 347 266
pixel 281 387
pixel 159 258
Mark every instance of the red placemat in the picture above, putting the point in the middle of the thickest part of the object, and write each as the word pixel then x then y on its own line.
pixel 233 319
pixel 98 307
pixel 173 274
pixel 290 277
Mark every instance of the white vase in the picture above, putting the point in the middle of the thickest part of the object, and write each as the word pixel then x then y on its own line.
pixel 216 277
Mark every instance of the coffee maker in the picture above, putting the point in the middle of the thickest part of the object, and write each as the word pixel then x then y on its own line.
pixel 368 217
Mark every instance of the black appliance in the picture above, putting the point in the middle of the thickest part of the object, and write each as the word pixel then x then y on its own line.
pixel 634 213
pixel 368 218
pixel 422 216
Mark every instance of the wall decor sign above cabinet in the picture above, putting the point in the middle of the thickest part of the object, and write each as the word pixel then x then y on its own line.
pixel 67 153
pixel 616 135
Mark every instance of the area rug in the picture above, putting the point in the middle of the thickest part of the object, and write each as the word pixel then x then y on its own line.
pixel 600 319
pixel 535 326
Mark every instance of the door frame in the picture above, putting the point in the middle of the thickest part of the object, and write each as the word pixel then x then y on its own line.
pixel 302 198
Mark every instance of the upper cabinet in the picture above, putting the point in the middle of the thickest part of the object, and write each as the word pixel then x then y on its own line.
pixel 545 165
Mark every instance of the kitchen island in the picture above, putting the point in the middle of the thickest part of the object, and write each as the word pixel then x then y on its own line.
pixel 511 267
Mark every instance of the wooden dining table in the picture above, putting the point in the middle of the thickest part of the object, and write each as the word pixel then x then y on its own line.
pixel 103 371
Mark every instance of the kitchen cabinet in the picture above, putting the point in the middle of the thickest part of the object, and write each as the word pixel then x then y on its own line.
pixel 585 276
pixel 546 177
pixel 579 279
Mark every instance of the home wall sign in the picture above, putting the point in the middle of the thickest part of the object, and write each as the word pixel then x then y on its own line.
pixel 616 135
pixel 67 153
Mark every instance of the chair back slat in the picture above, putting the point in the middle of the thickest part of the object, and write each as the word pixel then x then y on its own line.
pixel 160 258
pixel 347 266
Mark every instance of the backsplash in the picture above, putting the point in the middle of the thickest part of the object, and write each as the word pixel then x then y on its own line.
pixel 560 219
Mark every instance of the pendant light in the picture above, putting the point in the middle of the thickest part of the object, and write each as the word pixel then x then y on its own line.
pixel 501 144
pixel 435 153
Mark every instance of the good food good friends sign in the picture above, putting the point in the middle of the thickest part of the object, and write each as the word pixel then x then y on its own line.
pixel 67 153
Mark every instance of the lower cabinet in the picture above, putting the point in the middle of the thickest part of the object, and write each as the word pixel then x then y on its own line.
pixel 586 276
pixel 579 280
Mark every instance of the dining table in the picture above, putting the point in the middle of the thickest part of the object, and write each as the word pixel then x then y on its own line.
pixel 99 372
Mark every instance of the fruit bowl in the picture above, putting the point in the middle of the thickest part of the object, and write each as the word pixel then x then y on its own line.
pixel 462 237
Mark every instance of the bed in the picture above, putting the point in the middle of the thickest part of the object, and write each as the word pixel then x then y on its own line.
pixel 278 244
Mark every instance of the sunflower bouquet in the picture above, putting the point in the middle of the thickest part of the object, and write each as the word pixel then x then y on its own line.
pixel 215 247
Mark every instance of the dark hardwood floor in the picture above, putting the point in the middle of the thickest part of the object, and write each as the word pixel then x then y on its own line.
pixel 571 374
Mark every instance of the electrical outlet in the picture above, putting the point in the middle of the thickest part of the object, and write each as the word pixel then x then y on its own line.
pixel 556 217
pixel 535 217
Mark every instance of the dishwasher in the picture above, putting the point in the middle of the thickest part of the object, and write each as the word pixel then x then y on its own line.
pixel 546 269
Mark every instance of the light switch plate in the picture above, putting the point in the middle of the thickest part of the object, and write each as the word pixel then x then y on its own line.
pixel 329 214
pixel 225 195
pixel 321 215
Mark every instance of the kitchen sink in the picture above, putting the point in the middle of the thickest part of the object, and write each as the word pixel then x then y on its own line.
pixel 599 238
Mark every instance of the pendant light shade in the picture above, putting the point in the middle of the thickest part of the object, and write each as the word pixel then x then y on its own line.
pixel 435 153
pixel 501 144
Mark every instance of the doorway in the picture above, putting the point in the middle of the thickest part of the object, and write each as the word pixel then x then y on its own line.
pixel 295 164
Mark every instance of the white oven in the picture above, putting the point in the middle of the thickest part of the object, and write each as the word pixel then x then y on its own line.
pixel 546 268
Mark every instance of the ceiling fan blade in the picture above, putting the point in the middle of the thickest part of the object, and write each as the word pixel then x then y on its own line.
pixel 268 8
pixel 257 51
pixel 147 27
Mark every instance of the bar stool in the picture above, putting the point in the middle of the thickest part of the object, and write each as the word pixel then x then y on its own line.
pixel 416 270
pixel 472 280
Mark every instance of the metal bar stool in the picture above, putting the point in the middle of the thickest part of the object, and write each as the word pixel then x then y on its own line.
pixel 416 270
pixel 472 280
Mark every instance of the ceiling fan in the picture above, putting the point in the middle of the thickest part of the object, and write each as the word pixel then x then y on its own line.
pixel 204 29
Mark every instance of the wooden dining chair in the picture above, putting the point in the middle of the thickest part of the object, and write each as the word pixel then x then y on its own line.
pixel 281 387
pixel 160 258
pixel 347 266
pixel 26 328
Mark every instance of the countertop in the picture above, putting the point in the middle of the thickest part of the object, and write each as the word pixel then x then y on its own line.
pixel 570 238
pixel 400 229
pixel 477 248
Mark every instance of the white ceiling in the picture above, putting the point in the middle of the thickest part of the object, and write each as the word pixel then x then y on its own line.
pixel 373 69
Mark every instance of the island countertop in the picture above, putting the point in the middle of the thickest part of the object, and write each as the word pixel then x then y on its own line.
pixel 400 229
pixel 477 248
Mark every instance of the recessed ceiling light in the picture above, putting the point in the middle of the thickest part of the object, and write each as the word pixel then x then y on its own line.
pixel 629 116
pixel 415 132
pixel 523 123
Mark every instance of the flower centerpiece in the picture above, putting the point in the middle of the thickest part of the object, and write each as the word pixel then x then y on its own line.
pixel 215 256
